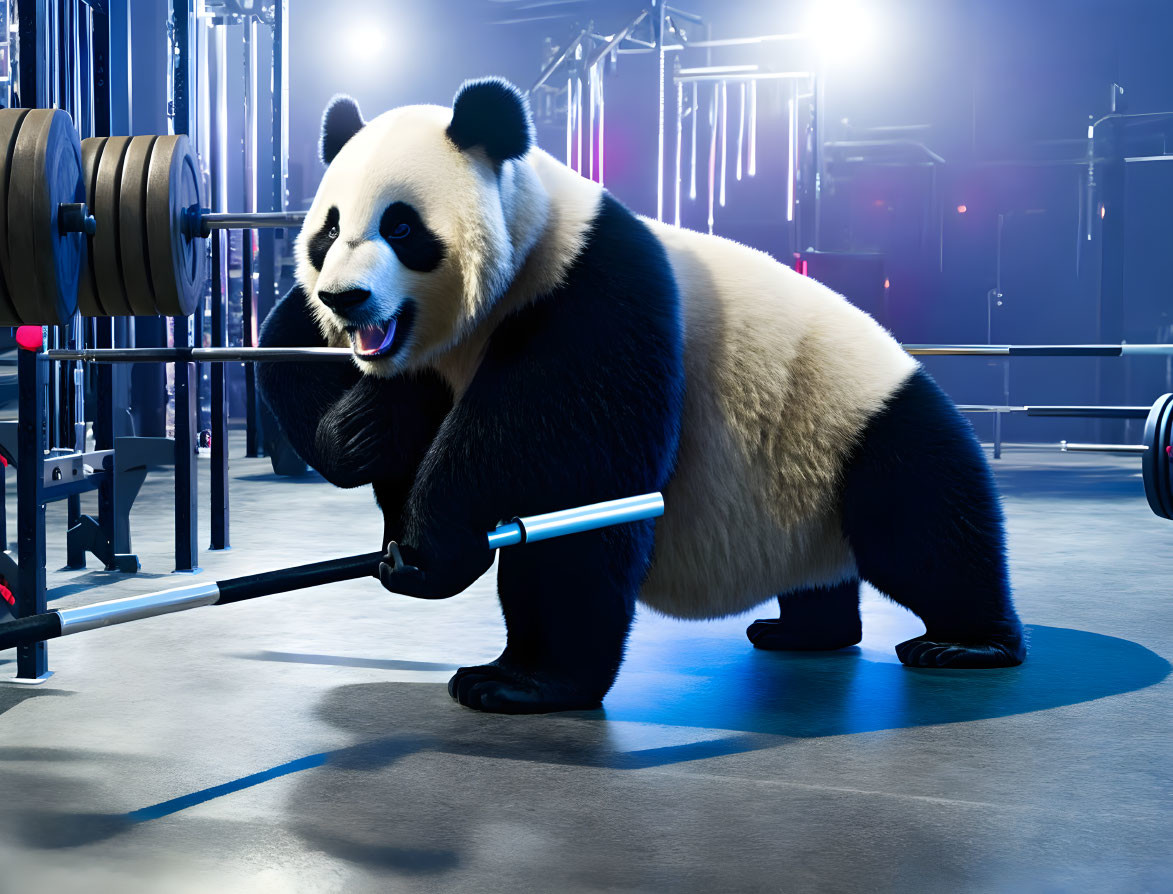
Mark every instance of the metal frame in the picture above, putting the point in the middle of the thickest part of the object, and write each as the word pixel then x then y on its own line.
pixel 582 60
pixel 74 54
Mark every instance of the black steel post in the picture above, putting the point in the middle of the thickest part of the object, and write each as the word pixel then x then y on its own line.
pixel 186 470
pixel 219 523
pixel 32 660
pixel 1110 188
pixel 248 317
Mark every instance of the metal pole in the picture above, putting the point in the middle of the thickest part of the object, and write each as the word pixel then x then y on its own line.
pixel 201 355
pixel 186 473
pixel 32 663
pixel 219 485
pixel 660 17
pixel 248 298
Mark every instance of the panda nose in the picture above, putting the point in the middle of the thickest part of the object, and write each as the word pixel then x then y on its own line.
pixel 344 302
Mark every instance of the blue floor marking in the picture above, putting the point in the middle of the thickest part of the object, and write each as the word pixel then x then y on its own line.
pixel 166 808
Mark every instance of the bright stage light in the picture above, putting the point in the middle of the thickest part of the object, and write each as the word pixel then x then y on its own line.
pixel 842 30
pixel 364 42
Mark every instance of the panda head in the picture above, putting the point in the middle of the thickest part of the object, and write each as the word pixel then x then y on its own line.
pixel 422 219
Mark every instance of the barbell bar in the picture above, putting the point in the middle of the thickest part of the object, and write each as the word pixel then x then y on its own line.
pixel 1156 453
pixel 67 621
pixel 1070 412
pixel 1121 350
pixel 249 355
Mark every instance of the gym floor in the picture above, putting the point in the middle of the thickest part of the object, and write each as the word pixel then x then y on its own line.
pixel 307 742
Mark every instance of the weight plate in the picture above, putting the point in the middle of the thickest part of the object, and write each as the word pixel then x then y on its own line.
pixel 178 263
pixel 1156 464
pixel 132 227
pixel 9 125
pixel 87 286
pixel 45 263
pixel 105 246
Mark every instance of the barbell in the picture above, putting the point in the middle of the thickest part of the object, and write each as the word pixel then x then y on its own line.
pixel 110 226
pixel 66 621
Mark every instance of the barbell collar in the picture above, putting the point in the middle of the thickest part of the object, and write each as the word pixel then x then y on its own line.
pixel 75 217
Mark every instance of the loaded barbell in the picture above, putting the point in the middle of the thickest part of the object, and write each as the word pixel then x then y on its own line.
pixel 66 621
pixel 113 226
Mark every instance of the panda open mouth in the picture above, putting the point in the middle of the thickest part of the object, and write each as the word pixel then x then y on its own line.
pixel 380 340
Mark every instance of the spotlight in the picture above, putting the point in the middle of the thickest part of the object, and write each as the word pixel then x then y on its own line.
pixel 363 42
pixel 842 30
pixel 961 209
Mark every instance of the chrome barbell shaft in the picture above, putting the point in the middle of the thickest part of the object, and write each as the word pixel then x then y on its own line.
pixel 251 220
pixel 66 621
pixel 1069 447
pixel 1121 350
pixel 199 355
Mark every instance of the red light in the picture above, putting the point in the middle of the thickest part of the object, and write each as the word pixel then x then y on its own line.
pixel 879 203
pixel 961 209
pixel 887 284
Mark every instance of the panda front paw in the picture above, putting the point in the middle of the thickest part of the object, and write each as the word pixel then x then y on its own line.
pixel 409 572
pixel 1000 650
pixel 503 689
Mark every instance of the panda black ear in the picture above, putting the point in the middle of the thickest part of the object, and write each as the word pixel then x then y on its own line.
pixel 341 121
pixel 493 114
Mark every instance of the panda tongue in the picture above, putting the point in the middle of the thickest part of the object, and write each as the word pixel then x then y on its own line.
pixel 375 339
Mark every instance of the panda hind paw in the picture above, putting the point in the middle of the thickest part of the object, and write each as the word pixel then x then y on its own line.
pixel 1002 650
pixel 778 636
pixel 501 689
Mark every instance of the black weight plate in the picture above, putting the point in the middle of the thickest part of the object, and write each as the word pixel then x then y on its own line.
pixel 132 227
pixel 9 125
pixel 104 247
pixel 46 173
pixel 1156 464
pixel 178 262
pixel 87 287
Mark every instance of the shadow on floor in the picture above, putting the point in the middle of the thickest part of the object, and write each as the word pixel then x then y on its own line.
pixel 838 693
pixel 93 580
pixel 721 701
pixel 13 695
pixel 346 661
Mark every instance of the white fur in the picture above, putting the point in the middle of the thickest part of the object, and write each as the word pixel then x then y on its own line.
pixel 782 373
pixel 489 224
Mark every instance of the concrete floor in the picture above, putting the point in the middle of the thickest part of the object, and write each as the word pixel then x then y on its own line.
pixel 307 743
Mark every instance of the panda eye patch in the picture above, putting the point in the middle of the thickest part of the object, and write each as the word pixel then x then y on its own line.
pixel 319 244
pixel 424 250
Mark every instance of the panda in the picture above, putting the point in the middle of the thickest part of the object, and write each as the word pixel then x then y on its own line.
pixel 522 343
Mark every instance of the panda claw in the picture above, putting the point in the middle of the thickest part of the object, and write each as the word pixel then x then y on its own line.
pixel 503 690
pixel 1002 650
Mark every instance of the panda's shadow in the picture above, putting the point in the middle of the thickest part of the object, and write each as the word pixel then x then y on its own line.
pixel 719 687
pixel 445 767
pixel 839 693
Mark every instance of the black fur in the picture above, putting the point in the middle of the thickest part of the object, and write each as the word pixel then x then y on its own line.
pixel 493 114
pixel 420 249
pixel 321 242
pixel 577 400
pixel 818 619
pixel 341 121
pixel 353 429
pixel 922 515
